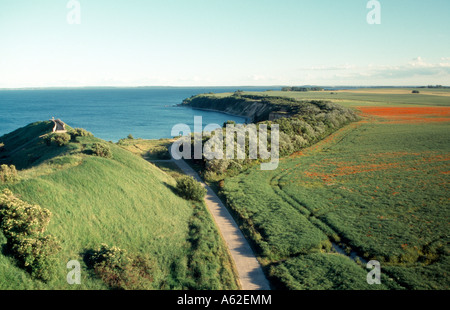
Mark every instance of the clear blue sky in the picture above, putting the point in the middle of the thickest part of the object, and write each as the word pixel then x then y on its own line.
pixel 232 42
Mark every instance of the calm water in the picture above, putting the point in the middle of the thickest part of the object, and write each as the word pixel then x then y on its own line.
pixel 110 114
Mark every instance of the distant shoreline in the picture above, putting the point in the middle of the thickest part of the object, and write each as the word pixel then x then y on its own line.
pixel 247 119
pixel 326 88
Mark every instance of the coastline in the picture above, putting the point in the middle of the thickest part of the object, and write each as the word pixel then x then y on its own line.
pixel 247 119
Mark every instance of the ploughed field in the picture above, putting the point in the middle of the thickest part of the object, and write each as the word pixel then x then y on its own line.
pixel 375 190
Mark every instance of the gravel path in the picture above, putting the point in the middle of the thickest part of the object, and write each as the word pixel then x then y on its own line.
pixel 251 276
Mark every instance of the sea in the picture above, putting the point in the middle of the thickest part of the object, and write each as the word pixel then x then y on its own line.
pixel 111 113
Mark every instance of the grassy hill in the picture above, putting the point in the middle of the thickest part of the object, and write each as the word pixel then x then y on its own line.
pixel 121 201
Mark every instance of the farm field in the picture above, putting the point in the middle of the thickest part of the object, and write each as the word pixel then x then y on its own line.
pixel 368 97
pixel 376 189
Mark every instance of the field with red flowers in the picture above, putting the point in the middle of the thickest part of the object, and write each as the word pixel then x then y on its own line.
pixel 375 190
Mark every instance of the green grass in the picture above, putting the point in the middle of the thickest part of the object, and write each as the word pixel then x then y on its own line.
pixel 123 201
pixel 148 149
pixel 380 189
pixel 361 97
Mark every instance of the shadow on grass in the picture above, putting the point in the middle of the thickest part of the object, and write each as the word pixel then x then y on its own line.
pixel 172 188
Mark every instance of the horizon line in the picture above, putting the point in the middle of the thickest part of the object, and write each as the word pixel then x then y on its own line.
pixel 220 86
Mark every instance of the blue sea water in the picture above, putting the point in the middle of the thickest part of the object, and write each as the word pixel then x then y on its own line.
pixel 110 113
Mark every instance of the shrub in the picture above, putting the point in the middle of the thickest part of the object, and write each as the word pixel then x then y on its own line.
pixel 121 271
pixel 8 174
pixel 59 139
pixel 218 166
pixel 161 152
pixel 416 92
pixel 80 132
pixel 102 150
pixel 19 218
pixel 190 189
pixel 36 255
pixel 130 136
pixel 23 226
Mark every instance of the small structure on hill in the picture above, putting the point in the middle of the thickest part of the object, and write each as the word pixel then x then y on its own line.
pixel 60 126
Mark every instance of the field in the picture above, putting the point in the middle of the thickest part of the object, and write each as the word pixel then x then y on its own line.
pixel 121 201
pixel 376 189
pixel 369 97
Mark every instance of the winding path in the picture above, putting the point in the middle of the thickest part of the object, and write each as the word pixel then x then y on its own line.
pixel 251 275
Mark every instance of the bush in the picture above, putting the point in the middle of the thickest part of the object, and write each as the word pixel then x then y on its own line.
pixel 80 132
pixel 8 174
pixel 36 255
pixel 121 271
pixel 60 139
pixel 416 92
pixel 218 166
pixel 189 188
pixel 130 136
pixel 23 226
pixel 161 152
pixel 102 150
pixel 19 218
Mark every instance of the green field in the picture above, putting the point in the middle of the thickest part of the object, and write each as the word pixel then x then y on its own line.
pixel 376 189
pixel 367 97
pixel 121 201
pixel 379 189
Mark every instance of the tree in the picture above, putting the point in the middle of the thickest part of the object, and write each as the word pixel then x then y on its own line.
pixel 415 92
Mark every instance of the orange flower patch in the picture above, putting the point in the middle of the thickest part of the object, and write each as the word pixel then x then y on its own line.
pixel 411 114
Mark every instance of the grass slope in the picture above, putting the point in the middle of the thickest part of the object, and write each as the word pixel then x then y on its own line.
pixel 123 201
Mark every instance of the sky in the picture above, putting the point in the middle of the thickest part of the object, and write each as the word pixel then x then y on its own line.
pixel 223 43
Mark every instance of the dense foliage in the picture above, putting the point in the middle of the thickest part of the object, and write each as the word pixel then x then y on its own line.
pixel 8 174
pixel 59 139
pixel 189 188
pixel 80 132
pixel 120 270
pixel 24 226
pixel 101 150
pixel 302 123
